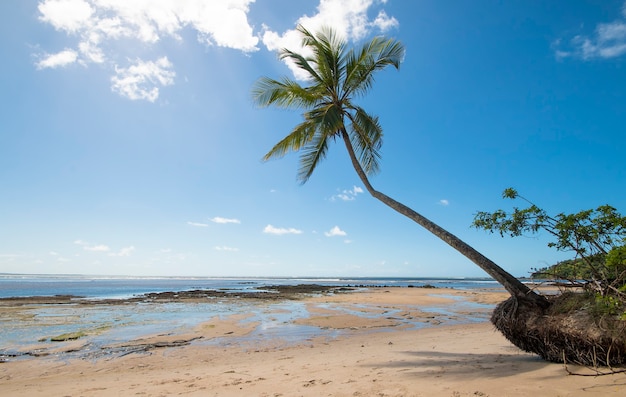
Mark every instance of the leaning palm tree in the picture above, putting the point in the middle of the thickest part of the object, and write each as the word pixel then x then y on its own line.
pixel 337 75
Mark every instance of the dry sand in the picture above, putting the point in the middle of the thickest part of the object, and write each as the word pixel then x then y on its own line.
pixel 372 356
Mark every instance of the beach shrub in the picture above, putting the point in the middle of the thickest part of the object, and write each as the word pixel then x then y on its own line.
pixel 597 237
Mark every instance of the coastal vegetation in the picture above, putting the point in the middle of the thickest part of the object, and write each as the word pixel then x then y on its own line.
pixel 336 76
pixel 587 323
pixel 596 237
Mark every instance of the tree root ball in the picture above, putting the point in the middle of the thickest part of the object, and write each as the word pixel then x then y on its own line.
pixel 569 331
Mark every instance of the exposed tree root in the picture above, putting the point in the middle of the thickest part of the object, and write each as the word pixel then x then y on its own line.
pixel 568 331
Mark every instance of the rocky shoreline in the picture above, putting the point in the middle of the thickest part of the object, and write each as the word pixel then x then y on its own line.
pixel 270 292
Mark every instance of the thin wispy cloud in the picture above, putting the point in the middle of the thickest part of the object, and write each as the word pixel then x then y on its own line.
pixel 97 248
pixel 92 247
pixel 335 231
pixel 347 195
pixel 444 202
pixel 127 251
pixel 219 219
pixel 197 224
pixel 608 40
pixel 225 248
pixel 279 231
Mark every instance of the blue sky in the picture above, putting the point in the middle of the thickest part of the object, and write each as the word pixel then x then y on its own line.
pixel 131 145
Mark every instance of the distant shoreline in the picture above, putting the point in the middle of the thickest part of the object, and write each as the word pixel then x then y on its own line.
pixel 110 287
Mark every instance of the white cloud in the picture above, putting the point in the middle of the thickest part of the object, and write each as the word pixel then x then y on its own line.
pixel 335 231
pixel 269 229
pixel 224 248
pixel 607 41
pixel 101 29
pixel 384 22
pixel 347 195
pixel 197 224
pixel 141 80
pixel 97 248
pixel 59 59
pixel 127 251
pixel 97 26
pixel 219 219
pixel 68 15
pixel 444 202
pixel 348 17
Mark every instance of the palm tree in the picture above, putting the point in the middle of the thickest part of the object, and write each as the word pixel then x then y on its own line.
pixel 336 76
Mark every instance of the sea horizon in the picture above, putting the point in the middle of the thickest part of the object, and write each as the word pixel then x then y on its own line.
pixel 124 286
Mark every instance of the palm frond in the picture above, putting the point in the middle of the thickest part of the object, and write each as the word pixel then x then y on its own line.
pixel 331 56
pixel 328 118
pixel 312 154
pixel 366 138
pixel 307 64
pixel 299 137
pixel 375 55
pixel 284 94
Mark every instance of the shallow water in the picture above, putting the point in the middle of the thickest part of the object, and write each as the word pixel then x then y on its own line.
pixel 28 329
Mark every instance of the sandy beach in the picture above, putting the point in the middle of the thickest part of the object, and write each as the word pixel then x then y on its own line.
pixel 373 353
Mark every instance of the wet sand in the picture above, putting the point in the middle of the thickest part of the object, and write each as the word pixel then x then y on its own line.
pixel 378 342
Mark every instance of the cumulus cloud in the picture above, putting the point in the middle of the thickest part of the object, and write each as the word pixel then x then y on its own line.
pixel 59 59
pixel 349 18
pixel 219 219
pixel 141 80
pixel 335 231
pixel 607 41
pixel 97 26
pixel 444 202
pixel 348 194
pixel 68 15
pixel 269 229
pixel 100 31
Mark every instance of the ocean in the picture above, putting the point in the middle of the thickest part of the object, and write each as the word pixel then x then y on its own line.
pixel 112 287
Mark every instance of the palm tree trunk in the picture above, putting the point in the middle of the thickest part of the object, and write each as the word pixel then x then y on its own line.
pixel 515 287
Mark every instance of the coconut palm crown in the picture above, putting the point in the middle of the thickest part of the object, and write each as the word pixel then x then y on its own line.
pixel 335 76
